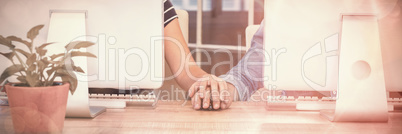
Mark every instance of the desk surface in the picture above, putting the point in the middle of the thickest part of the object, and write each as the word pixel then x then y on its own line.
pixel 241 117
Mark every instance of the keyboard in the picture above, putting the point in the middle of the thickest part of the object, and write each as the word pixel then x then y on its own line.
pixel 315 103
pixel 113 98
pixel 108 103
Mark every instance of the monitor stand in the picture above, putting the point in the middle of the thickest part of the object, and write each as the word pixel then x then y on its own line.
pixel 361 93
pixel 65 27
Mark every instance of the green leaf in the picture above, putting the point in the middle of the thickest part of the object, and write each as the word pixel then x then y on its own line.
pixel 52 70
pixel 8 55
pixel 45 45
pixel 34 32
pixel 32 79
pixel 31 68
pixel 68 77
pixel 41 49
pixel 14 38
pixel 31 59
pixel 63 72
pixel 54 56
pixel 78 69
pixel 77 53
pixel 45 61
pixel 73 87
pixel 41 65
pixel 11 71
pixel 6 42
pixel 78 45
pixel 71 63
pixel 41 52
pixel 22 79
pixel 26 54
pixel 73 83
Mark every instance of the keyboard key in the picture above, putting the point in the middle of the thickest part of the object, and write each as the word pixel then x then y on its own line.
pixel 114 96
pixel 153 96
pixel 307 98
pixel 125 96
pixel 300 98
pixel 290 98
pixel 142 97
pixel 325 98
pixel 97 96
pixel 314 98
pixel 134 96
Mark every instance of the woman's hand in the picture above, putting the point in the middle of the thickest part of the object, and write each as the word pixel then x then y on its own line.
pixel 211 88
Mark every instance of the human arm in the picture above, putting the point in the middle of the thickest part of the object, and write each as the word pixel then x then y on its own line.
pixel 178 56
pixel 192 77
pixel 242 80
pixel 187 74
pixel 247 76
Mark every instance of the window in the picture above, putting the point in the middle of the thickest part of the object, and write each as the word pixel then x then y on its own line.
pixel 227 5
pixel 223 28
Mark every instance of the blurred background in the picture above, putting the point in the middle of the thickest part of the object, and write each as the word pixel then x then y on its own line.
pixel 223 24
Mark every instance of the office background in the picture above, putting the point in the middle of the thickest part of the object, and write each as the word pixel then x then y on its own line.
pixel 223 24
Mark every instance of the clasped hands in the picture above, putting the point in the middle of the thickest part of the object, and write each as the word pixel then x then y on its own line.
pixel 211 92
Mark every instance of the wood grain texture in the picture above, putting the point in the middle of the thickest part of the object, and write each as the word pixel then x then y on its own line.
pixel 242 117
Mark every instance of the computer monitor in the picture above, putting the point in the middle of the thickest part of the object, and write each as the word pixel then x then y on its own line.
pixel 302 38
pixel 128 36
pixel 351 47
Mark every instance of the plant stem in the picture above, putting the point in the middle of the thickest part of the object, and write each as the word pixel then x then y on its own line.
pixel 31 49
pixel 19 59
pixel 54 77
pixel 14 64
pixel 47 79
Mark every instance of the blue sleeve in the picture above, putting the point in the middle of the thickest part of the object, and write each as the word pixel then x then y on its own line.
pixel 247 76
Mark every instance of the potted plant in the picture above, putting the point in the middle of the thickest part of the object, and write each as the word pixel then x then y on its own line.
pixel 37 101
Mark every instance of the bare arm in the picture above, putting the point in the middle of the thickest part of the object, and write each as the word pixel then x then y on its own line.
pixel 179 58
pixel 181 62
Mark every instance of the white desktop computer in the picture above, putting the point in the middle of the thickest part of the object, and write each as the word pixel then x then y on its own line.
pixel 128 36
pixel 350 48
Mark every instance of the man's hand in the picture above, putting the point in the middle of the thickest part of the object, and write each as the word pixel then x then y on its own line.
pixel 211 88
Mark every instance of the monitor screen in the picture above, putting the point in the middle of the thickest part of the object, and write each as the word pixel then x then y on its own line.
pixel 302 40
pixel 129 47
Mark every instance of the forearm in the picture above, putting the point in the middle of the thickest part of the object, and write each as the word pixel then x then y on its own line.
pixel 178 57
pixel 247 76
pixel 188 76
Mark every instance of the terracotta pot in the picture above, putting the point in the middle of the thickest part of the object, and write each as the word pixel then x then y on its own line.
pixel 38 109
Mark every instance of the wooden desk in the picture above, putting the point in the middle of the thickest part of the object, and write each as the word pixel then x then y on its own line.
pixel 172 117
